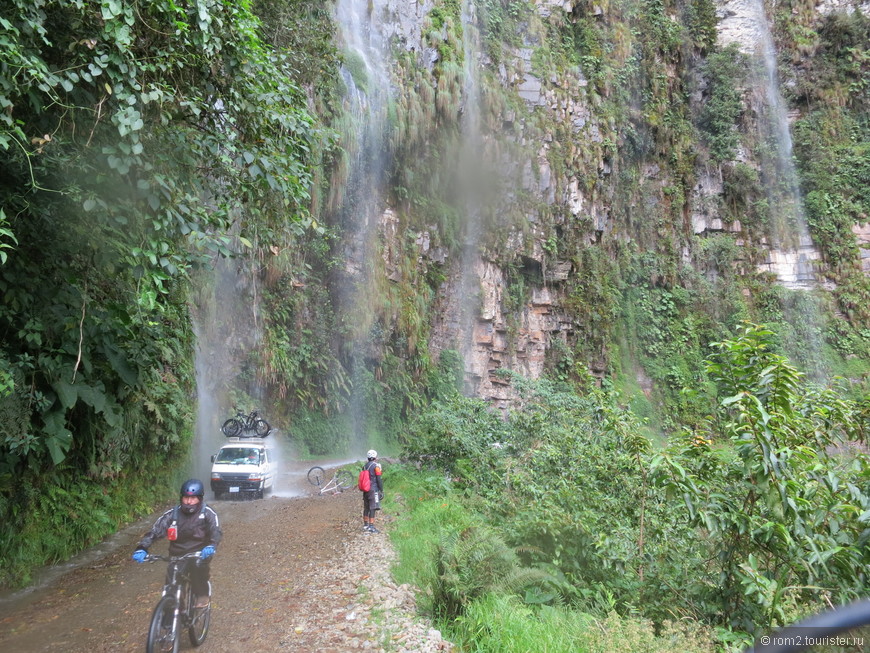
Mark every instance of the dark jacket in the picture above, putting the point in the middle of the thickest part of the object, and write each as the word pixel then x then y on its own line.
pixel 193 531
pixel 374 469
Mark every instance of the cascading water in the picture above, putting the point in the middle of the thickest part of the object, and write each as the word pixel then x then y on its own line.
pixel 366 76
pixel 791 251
pixel 472 182
pixel 225 317
pixel 225 322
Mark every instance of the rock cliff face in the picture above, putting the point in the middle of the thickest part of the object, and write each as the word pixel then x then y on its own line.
pixel 566 174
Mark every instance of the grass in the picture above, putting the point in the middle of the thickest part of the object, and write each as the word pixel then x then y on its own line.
pixel 427 508
pixel 504 624
pixel 70 514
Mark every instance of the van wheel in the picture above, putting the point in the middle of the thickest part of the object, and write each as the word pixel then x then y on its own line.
pixel 261 492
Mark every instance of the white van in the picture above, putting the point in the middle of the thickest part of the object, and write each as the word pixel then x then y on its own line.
pixel 243 467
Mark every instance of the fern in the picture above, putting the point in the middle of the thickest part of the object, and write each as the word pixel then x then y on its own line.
pixel 474 562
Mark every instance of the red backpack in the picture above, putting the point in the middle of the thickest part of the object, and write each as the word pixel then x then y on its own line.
pixel 365 480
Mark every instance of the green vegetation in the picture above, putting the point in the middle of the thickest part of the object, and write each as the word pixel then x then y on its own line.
pixel 718 120
pixel 438 531
pixel 783 507
pixel 57 519
pixel 831 146
pixel 747 522
pixel 133 140
pixel 685 482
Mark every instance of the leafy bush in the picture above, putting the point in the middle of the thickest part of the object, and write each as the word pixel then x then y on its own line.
pixel 471 563
pixel 747 520
pixel 567 487
pixel 783 509
pixel 455 435
pixel 132 140
pixel 429 507
pixel 436 523
pixel 722 108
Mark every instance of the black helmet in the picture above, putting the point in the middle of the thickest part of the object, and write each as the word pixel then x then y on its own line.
pixel 193 488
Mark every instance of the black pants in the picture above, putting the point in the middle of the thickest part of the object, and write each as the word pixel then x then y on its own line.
pixel 370 503
pixel 198 574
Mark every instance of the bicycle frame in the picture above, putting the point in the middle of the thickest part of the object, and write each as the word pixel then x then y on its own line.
pixel 248 421
pixel 175 585
pixel 242 423
pixel 177 592
pixel 331 486
pixel 341 480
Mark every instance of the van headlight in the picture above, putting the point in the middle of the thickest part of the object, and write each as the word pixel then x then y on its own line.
pixel 255 477
pixel 215 476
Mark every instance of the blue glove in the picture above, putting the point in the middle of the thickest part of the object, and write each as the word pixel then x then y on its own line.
pixel 139 555
pixel 207 552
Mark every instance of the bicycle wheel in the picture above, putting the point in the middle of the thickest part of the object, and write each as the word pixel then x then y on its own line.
pixel 344 478
pixel 262 428
pixel 316 476
pixel 232 427
pixel 162 634
pixel 200 618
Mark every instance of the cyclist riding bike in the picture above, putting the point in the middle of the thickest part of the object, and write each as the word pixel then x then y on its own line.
pixel 190 526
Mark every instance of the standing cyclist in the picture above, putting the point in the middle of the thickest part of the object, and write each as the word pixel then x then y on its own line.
pixel 372 499
pixel 190 526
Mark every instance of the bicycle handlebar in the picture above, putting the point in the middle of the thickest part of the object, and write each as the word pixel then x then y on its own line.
pixel 152 557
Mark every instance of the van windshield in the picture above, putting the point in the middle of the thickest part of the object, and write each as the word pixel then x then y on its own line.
pixel 238 456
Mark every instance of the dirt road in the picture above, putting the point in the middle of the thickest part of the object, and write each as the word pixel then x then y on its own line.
pixel 292 574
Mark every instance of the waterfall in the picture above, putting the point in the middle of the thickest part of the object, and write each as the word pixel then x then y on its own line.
pixel 367 80
pixel 226 324
pixel 472 180
pixel 791 252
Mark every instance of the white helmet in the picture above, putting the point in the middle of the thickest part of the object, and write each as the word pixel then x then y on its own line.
pixel 372 454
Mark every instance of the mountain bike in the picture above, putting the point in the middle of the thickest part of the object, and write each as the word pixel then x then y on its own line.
pixel 342 480
pixel 177 609
pixel 250 423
